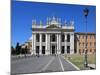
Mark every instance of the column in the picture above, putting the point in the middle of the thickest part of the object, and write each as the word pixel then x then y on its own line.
pixel 65 52
pixel 40 51
pixel 57 43
pixel 59 52
pixel 34 44
pixel 72 43
pixel 46 49
pixel 47 44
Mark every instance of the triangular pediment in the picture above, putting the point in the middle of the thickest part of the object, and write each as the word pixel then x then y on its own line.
pixel 52 26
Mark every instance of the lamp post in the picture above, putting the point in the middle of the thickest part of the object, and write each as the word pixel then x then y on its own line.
pixel 86 11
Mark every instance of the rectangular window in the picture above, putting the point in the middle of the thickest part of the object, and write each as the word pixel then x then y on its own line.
pixel 90 50
pixel 83 45
pixel 94 44
pixel 53 38
pixel 43 38
pixel 37 37
pixel 63 37
pixel 68 38
pixel 90 44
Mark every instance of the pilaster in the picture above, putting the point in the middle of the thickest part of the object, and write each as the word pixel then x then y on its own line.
pixel 34 44
pixel 59 52
pixel 72 43
pixel 32 51
pixel 40 51
pixel 57 43
pixel 65 44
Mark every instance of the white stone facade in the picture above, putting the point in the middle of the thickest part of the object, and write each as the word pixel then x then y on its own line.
pixel 47 39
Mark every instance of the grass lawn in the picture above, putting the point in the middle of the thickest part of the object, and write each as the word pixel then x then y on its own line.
pixel 78 60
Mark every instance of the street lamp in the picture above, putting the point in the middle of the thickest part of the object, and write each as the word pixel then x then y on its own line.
pixel 86 11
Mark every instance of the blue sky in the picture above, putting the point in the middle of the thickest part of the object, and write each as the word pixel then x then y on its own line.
pixel 22 14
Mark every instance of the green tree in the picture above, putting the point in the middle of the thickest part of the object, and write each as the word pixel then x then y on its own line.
pixel 12 50
pixel 18 48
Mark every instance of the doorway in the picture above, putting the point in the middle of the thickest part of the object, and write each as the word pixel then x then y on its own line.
pixel 37 50
pixel 62 50
pixel 43 50
pixel 68 49
pixel 53 49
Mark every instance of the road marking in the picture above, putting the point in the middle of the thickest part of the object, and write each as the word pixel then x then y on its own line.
pixel 61 64
pixel 71 63
pixel 45 67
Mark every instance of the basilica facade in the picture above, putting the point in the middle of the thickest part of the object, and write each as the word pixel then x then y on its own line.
pixel 55 37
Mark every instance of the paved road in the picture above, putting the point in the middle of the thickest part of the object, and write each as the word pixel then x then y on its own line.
pixel 41 64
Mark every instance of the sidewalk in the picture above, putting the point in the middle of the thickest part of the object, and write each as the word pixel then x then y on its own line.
pixel 20 56
pixel 92 66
